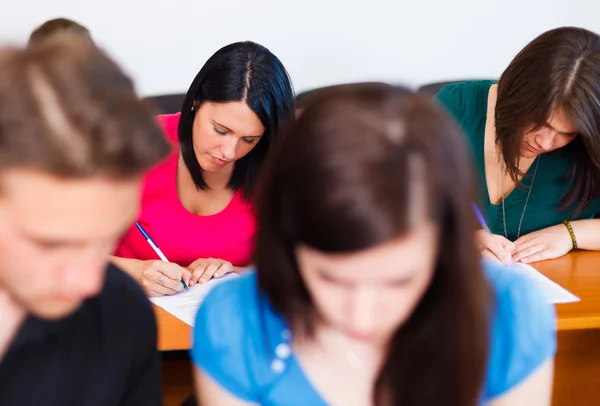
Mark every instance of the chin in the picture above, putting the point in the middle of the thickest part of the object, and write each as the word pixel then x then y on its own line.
pixel 51 310
pixel 208 166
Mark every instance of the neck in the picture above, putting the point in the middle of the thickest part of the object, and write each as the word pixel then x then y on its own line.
pixel 362 355
pixel 218 179
pixel 12 316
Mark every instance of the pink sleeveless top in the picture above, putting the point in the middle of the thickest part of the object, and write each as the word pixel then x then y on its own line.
pixel 182 236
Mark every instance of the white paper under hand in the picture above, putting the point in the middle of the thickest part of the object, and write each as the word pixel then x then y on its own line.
pixel 184 305
pixel 554 292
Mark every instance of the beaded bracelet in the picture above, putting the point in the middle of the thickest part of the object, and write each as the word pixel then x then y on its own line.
pixel 573 239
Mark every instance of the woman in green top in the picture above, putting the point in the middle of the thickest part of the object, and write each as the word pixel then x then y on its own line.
pixel 535 139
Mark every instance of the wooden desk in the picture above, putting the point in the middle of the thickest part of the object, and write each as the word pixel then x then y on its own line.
pixel 577 366
pixel 173 334
pixel 579 273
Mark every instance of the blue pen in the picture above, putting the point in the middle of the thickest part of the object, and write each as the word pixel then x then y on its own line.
pixel 480 218
pixel 484 225
pixel 155 248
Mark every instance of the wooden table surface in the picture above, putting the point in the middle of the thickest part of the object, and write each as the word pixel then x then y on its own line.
pixel 173 334
pixel 577 272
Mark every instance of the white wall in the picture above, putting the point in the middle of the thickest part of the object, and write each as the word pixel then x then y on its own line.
pixel 163 43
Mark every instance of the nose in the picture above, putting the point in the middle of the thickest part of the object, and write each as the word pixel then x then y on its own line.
pixel 229 148
pixel 545 140
pixel 362 310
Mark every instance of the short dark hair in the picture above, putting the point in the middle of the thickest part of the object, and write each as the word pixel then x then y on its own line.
pixel 56 26
pixel 344 180
pixel 248 72
pixel 557 71
pixel 68 110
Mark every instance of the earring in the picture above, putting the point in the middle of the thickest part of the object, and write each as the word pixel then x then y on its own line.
pixel 193 108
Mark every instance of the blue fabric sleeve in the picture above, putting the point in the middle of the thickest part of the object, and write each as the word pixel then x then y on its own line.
pixel 523 331
pixel 219 334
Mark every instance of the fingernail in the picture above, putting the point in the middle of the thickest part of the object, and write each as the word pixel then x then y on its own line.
pixel 202 280
pixel 190 283
pixel 218 275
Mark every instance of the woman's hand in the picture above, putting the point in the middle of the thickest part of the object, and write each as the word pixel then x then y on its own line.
pixel 159 278
pixel 203 269
pixel 548 243
pixel 495 247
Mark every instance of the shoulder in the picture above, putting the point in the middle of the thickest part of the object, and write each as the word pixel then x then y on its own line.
pixel 124 300
pixel 523 334
pixel 231 337
pixel 227 300
pixel 170 125
pixel 465 98
pixel 120 316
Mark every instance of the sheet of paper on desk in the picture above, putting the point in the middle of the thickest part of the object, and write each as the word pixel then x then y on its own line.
pixel 184 305
pixel 553 291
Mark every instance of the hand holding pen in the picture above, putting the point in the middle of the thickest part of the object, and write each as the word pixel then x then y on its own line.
pixel 161 277
pixel 493 246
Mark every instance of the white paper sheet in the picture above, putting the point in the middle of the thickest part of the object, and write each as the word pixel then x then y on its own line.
pixel 554 292
pixel 184 305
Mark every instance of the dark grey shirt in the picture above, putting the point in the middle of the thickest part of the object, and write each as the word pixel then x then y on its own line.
pixel 104 354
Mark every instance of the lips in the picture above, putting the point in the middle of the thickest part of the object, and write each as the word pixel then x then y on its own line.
pixel 219 161
pixel 534 150
pixel 362 336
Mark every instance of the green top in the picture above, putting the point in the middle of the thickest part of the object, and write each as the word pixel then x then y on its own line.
pixel 467 103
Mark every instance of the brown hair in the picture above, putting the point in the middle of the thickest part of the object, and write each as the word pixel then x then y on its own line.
pixel 557 71
pixel 344 180
pixel 68 110
pixel 58 26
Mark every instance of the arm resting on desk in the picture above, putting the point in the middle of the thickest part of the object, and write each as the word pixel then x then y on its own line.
pixel 587 233
pixel 555 241
pixel 535 390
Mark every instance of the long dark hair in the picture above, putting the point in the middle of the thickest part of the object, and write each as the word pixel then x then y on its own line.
pixel 342 181
pixel 557 71
pixel 242 71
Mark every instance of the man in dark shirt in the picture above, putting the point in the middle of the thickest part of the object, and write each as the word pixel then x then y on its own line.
pixel 74 143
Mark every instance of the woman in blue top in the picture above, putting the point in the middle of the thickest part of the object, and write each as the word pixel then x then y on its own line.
pixel 369 290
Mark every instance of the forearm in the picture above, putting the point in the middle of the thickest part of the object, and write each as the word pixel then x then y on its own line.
pixel 129 265
pixel 587 234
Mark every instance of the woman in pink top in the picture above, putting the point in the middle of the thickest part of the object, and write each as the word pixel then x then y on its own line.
pixel 197 205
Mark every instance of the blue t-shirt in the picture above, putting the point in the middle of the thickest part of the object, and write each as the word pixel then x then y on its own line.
pixel 242 344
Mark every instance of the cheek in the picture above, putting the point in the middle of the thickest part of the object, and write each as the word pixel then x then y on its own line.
pixel 244 149
pixel 327 299
pixel 204 139
pixel 563 141
pixel 402 302
pixel 25 278
pixel 530 137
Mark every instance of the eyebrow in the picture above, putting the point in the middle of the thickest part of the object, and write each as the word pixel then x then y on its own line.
pixel 231 131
